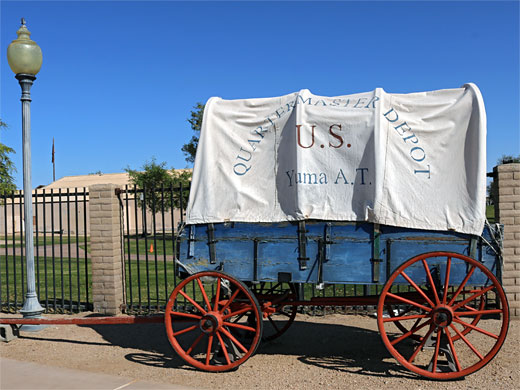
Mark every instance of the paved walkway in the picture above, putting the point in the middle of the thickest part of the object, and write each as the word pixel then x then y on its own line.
pixel 16 375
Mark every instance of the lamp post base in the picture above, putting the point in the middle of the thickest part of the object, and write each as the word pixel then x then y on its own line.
pixel 32 309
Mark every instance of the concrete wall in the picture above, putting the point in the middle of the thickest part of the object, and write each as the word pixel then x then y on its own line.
pixel 507 212
pixel 53 212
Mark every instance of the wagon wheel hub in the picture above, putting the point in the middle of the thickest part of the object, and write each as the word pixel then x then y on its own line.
pixel 442 316
pixel 210 323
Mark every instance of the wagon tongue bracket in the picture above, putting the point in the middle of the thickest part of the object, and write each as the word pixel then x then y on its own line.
pixel 268 309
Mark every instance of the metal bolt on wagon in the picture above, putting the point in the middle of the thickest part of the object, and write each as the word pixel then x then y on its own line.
pixel 372 188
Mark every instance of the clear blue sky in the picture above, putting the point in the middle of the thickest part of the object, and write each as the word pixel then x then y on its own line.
pixel 119 79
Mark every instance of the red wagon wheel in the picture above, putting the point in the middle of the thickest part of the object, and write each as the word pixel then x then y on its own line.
pixel 279 315
pixel 442 338
pixel 208 321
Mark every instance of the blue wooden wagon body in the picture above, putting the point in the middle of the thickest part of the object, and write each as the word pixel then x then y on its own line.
pixel 327 252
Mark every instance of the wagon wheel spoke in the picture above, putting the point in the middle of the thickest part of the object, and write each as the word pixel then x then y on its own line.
pixel 421 345
pixel 446 281
pixel 436 351
pixel 403 318
pixel 234 340
pixel 185 330
pixel 204 295
pixel 231 299
pixel 466 325
pixel 240 326
pixel 419 290
pixel 271 321
pixel 469 308
pixel 224 349
pixel 476 316
pixel 208 350
pixel 477 312
pixel 199 308
pixel 462 284
pixel 416 322
pixel 467 342
pixel 430 280
pixel 399 298
pixel 235 320
pixel 414 329
pixel 187 315
pixel 238 312
pixel 472 297
pixel 399 322
pixel 454 353
pixel 217 294
pixel 197 340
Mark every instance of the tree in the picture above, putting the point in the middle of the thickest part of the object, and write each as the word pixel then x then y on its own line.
pixel 492 188
pixel 7 168
pixel 190 149
pixel 160 186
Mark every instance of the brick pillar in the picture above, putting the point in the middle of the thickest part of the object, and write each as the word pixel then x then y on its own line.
pixel 105 247
pixel 507 211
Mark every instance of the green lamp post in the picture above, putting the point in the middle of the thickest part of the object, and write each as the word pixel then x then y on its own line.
pixel 25 59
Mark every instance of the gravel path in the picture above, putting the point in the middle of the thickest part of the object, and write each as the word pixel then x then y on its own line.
pixel 330 352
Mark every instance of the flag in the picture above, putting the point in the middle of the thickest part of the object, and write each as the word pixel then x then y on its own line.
pixel 53 150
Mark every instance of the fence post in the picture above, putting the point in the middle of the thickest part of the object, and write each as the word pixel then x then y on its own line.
pixel 105 249
pixel 507 212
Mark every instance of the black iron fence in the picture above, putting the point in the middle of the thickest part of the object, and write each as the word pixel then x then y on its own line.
pixel 152 217
pixel 62 263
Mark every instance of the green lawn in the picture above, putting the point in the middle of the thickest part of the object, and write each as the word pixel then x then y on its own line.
pixel 160 246
pixel 155 281
pixel 151 283
pixel 58 281
pixel 490 213
pixel 42 241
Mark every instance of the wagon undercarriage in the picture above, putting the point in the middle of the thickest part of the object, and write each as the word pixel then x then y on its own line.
pixel 435 329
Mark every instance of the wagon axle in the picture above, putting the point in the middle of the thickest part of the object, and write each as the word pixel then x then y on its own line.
pixel 442 316
pixel 210 322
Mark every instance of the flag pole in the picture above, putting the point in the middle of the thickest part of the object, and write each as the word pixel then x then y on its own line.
pixel 53 162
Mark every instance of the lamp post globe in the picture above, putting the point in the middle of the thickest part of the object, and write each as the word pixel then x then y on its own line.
pixel 25 59
pixel 23 54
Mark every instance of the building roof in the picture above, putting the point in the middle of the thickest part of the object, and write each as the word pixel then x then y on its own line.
pixel 89 180
pixel 80 181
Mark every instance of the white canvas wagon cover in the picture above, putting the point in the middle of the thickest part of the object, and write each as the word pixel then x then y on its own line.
pixel 413 160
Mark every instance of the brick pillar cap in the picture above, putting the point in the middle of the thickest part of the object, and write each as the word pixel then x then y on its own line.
pixel 512 167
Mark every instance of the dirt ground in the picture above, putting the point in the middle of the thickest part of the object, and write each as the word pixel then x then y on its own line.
pixel 328 352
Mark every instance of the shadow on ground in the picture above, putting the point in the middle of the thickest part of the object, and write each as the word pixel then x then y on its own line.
pixel 335 347
pixel 329 346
